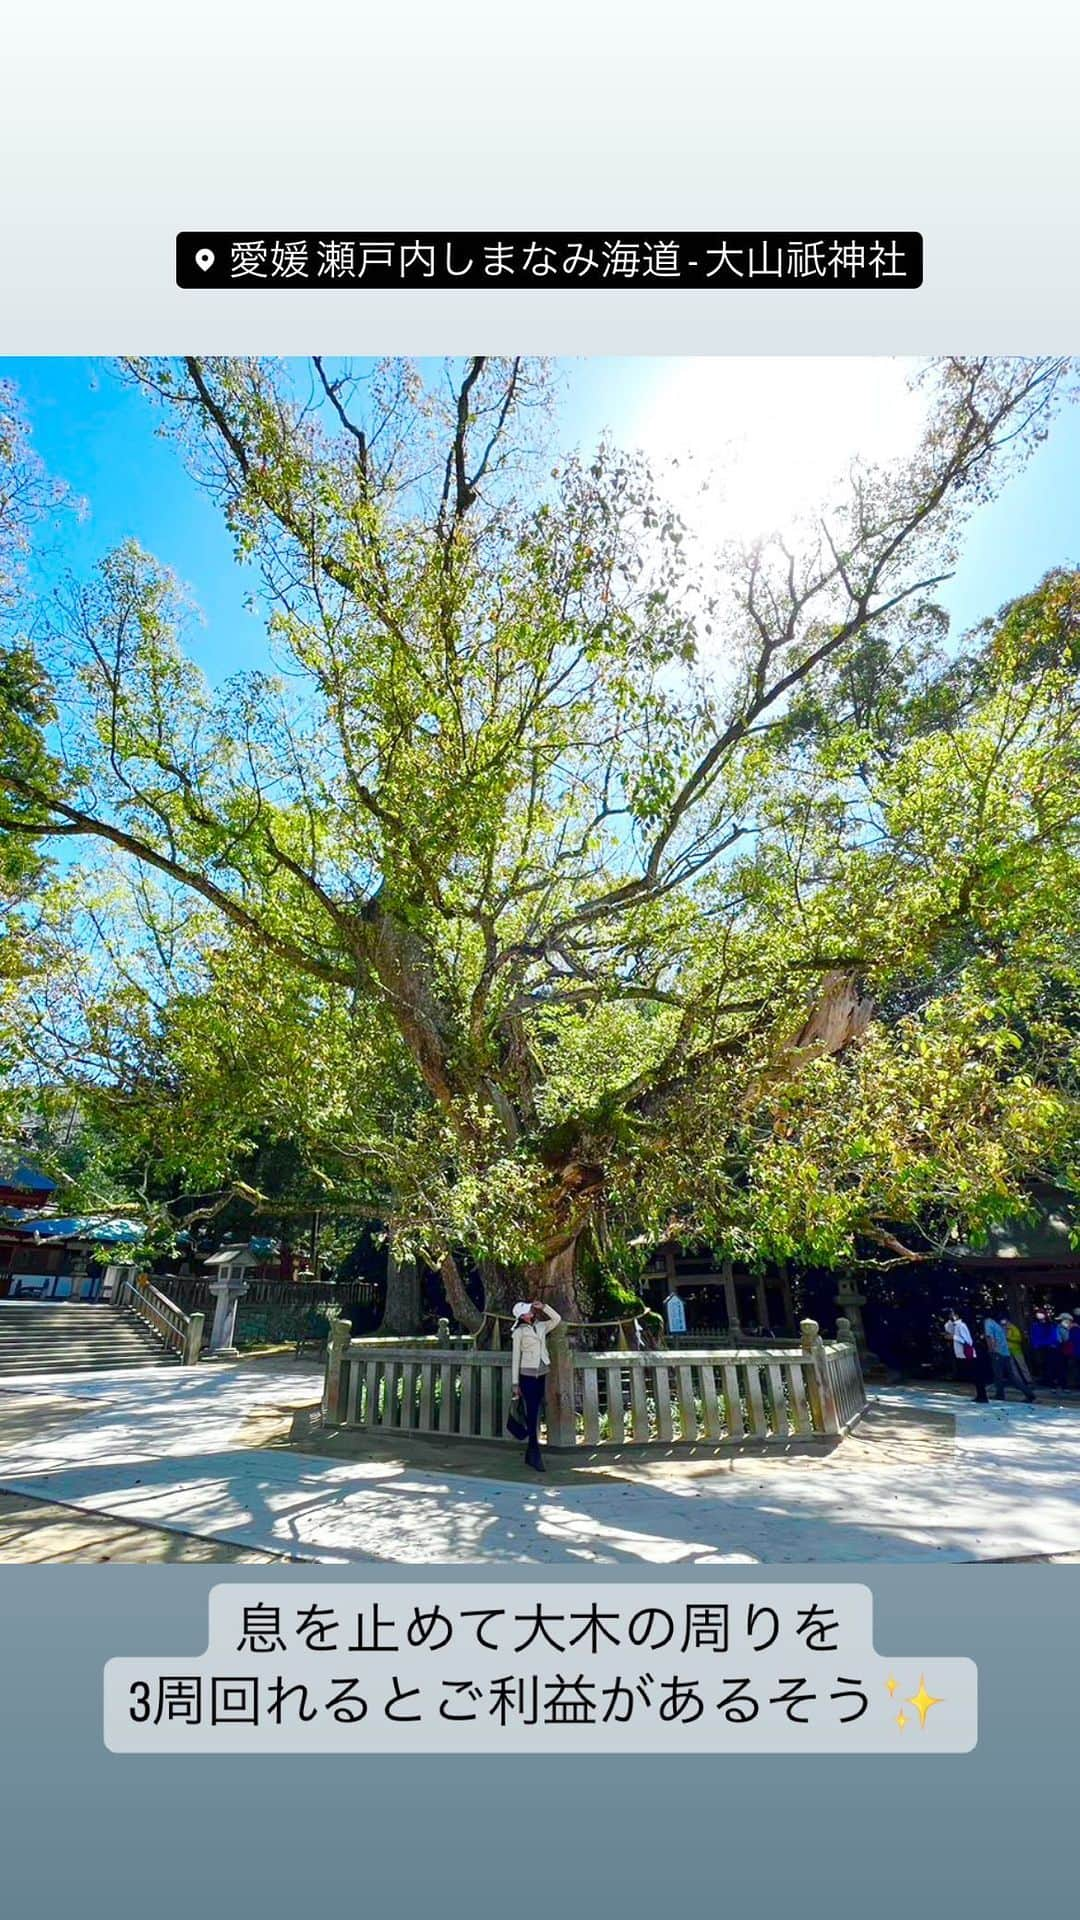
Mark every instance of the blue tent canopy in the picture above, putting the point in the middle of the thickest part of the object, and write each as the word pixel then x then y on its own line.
pixel 25 1179
pixel 101 1229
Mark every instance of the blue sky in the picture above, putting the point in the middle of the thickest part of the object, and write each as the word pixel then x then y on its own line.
pixel 98 435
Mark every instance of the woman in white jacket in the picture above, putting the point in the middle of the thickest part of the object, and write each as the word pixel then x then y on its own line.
pixel 533 1321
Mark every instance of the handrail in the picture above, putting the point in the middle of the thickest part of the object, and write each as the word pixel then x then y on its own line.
pixel 148 1290
pixel 180 1331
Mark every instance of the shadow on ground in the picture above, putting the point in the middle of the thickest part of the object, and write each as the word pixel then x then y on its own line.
pixel 925 1476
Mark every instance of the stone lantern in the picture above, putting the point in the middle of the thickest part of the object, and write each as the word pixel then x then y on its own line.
pixel 230 1267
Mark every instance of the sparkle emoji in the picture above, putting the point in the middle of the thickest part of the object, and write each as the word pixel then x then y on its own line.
pixel 923 1701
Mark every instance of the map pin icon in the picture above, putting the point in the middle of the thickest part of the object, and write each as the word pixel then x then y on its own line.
pixel 204 259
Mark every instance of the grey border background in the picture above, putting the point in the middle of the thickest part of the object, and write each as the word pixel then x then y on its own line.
pixel 121 127
pixel 88 1831
pixel 121 130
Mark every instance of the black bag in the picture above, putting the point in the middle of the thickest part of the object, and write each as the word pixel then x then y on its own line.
pixel 516 1422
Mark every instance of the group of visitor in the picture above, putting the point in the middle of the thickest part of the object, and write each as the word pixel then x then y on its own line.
pixel 1055 1347
pixel 991 1348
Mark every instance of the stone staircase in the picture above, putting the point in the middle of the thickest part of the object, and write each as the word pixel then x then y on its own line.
pixel 74 1337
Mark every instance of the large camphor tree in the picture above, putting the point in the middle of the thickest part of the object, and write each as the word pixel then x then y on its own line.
pixel 561 883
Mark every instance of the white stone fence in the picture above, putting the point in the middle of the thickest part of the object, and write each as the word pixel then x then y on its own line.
pixel 772 1395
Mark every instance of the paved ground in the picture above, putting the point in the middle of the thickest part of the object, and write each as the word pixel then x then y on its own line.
pixel 36 1533
pixel 214 1452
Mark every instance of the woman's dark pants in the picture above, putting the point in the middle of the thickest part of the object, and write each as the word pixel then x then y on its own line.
pixel 532 1393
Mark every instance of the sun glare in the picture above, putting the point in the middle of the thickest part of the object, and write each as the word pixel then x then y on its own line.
pixel 772 436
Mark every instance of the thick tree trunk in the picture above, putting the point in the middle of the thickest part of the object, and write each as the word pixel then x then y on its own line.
pixel 401 1308
pixel 552 1280
pixel 462 1308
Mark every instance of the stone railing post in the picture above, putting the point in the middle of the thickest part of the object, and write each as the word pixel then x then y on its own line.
pixel 337 1348
pixel 559 1392
pixel 851 1373
pixel 822 1388
pixel 809 1331
pixel 193 1340
pixel 810 1339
